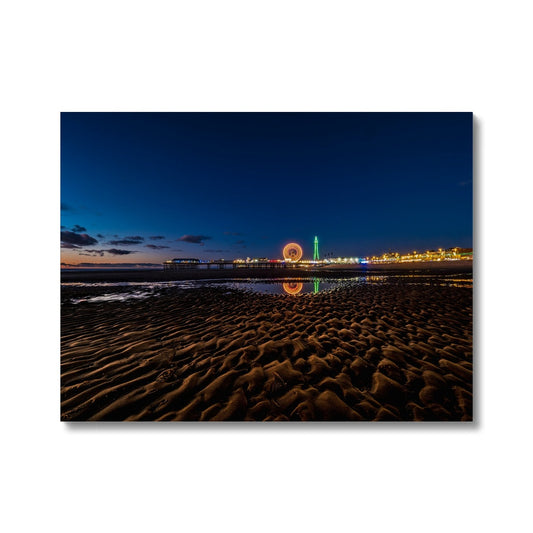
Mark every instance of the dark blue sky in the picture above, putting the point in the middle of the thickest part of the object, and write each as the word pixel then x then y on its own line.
pixel 245 184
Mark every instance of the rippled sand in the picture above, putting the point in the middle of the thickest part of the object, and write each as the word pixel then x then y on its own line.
pixel 370 352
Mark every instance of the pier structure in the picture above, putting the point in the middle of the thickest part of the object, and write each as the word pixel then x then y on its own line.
pixel 292 258
pixel 173 265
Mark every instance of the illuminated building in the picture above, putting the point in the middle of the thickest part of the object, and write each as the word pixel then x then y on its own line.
pixel 316 256
pixel 181 263
pixel 184 260
pixel 450 254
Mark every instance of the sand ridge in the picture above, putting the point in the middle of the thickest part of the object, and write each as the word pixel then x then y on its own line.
pixel 370 352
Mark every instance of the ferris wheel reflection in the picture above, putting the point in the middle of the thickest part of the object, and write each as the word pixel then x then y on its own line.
pixel 293 287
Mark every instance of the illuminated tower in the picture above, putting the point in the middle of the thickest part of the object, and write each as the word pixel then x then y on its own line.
pixel 316 257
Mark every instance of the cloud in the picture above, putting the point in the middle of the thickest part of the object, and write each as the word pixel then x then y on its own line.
pixel 80 239
pixel 217 251
pixel 100 236
pixel 114 251
pixel 92 253
pixel 126 241
pixel 66 207
pixel 194 239
pixel 110 265
pixel 240 242
pixel 155 247
pixel 78 229
pixel 233 233
pixel 101 252
pixel 68 245
pixel 123 242
pixel 157 237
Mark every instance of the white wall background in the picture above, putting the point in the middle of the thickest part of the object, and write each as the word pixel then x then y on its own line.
pixel 260 56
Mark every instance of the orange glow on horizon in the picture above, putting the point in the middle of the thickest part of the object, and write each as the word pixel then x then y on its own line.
pixel 72 259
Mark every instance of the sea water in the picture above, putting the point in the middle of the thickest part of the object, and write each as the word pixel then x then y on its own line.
pixel 111 291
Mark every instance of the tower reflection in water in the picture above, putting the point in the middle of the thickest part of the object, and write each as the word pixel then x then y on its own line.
pixel 316 284
pixel 293 287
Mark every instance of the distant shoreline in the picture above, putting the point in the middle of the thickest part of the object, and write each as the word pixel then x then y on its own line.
pixel 131 275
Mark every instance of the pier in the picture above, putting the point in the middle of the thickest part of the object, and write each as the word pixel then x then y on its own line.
pixel 195 264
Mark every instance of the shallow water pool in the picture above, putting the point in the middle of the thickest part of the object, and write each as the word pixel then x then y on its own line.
pixel 122 291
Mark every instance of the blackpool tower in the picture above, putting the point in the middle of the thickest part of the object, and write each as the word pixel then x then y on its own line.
pixel 316 257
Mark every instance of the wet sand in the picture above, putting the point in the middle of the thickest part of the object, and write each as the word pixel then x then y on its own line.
pixel 391 351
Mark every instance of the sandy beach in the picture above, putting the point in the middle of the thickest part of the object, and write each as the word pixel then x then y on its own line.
pixel 383 351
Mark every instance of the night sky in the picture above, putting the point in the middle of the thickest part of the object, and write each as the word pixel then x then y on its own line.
pixel 145 187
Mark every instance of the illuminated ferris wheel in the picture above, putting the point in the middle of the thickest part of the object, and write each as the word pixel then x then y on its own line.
pixel 292 252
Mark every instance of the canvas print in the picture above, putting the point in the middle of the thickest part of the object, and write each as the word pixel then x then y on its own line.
pixel 278 267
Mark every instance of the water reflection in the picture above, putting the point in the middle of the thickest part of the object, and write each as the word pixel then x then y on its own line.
pixel 122 291
pixel 316 284
pixel 292 287
pixel 299 286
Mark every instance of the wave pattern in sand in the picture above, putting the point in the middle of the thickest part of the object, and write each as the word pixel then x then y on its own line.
pixel 371 352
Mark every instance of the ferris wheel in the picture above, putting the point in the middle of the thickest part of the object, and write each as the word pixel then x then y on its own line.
pixel 292 252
